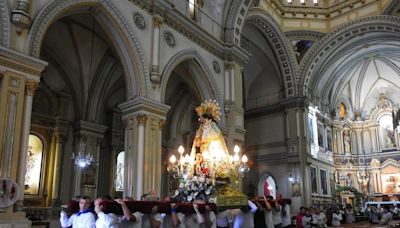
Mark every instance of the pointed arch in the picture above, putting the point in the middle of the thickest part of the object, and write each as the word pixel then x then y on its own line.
pixel 4 24
pixel 203 76
pixel 282 50
pixel 125 42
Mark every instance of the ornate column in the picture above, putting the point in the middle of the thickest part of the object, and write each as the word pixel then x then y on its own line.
pixel 141 120
pixel 61 132
pixel 376 137
pixel 359 141
pixel 146 169
pixel 129 172
pixel 31 87
pixel 372 137
pixel 155 55
pixel 16 70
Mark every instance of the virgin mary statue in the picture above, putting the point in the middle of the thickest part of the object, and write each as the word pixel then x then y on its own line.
pixel 209 151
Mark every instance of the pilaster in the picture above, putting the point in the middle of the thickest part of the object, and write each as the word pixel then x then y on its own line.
pixel 144 118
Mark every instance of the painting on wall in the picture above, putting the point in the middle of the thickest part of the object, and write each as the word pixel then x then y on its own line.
pixel 313 175
pixel 296 190
pixel 324 182
pixel 391 183
pixel 33 165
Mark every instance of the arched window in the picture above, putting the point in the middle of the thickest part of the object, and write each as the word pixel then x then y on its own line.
pixel 267 186
pixel 34 160
pixel 119 172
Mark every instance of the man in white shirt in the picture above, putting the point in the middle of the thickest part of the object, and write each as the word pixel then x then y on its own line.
pixel 276 212
pixel 224 220
pixel 268 214
pixel 83 219
pixel 285 214
pixel 131 220
pixel 245 218
pixel 190 220
pixel 210 220
pixel 104 220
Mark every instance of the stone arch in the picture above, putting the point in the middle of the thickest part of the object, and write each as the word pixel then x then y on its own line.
pixel 205 81
pixel 234 18
pixel 315 60
pixel 260 184
pixel 125 42
pixel 4 24
pixel 283 52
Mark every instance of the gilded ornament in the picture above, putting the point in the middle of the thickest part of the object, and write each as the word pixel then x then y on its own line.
pixel 141 119
pixel 31 86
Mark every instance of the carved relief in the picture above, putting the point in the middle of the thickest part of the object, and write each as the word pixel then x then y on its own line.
pixel 141 119
pixel 169 38
pixel 139 21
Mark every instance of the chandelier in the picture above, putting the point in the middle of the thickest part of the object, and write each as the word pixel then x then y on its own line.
pixel 83 159
pixel 209 164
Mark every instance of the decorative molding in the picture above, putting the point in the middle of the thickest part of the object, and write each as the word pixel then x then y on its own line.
pixel 53 9
pixel 193 31
pixel 216 66
pixel 282 48
pixel 169 38
pixel 139 20
pixel 141 119
pixel 23 64
pixel 304 35
pixel 20 16
pixel 142 105
pixel 157 21
pixel 320 51
pixel 31 86
pixel 4 24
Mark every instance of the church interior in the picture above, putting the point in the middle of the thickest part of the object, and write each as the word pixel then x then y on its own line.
pixel 97 95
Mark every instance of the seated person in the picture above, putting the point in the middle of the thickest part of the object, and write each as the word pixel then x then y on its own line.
pixel 83 219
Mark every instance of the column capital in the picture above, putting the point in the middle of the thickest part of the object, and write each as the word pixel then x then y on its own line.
pixel 157 21
pixel 141 118
pixel 229 66
pixel 31 86
pixel 161 124
pixel 142 105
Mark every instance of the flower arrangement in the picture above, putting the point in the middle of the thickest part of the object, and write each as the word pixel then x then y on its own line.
pixel 197 188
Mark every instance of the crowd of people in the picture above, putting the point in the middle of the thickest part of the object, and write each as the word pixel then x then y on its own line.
pixel 265 213
pixel 268 213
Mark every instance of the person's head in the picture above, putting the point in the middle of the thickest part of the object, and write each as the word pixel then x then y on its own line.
pixel 84 203
pixel 270 197
pixel 348 206
pixel 308 212
pixel 391 178
pixel 278 196
pixel 303 210
pixel 317 210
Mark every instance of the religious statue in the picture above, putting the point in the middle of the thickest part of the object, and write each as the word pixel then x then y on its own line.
pixel 347 140
pixel 342 111
pixel 363 179
pixel 349 180
pixel 336 177
pixel 209 142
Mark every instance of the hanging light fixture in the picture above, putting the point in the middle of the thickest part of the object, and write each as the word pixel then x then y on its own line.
pixel 84 159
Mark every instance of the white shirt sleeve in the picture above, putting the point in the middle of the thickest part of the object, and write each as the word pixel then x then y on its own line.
pixel 253 206
pixel 65 221
pixel 106 220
